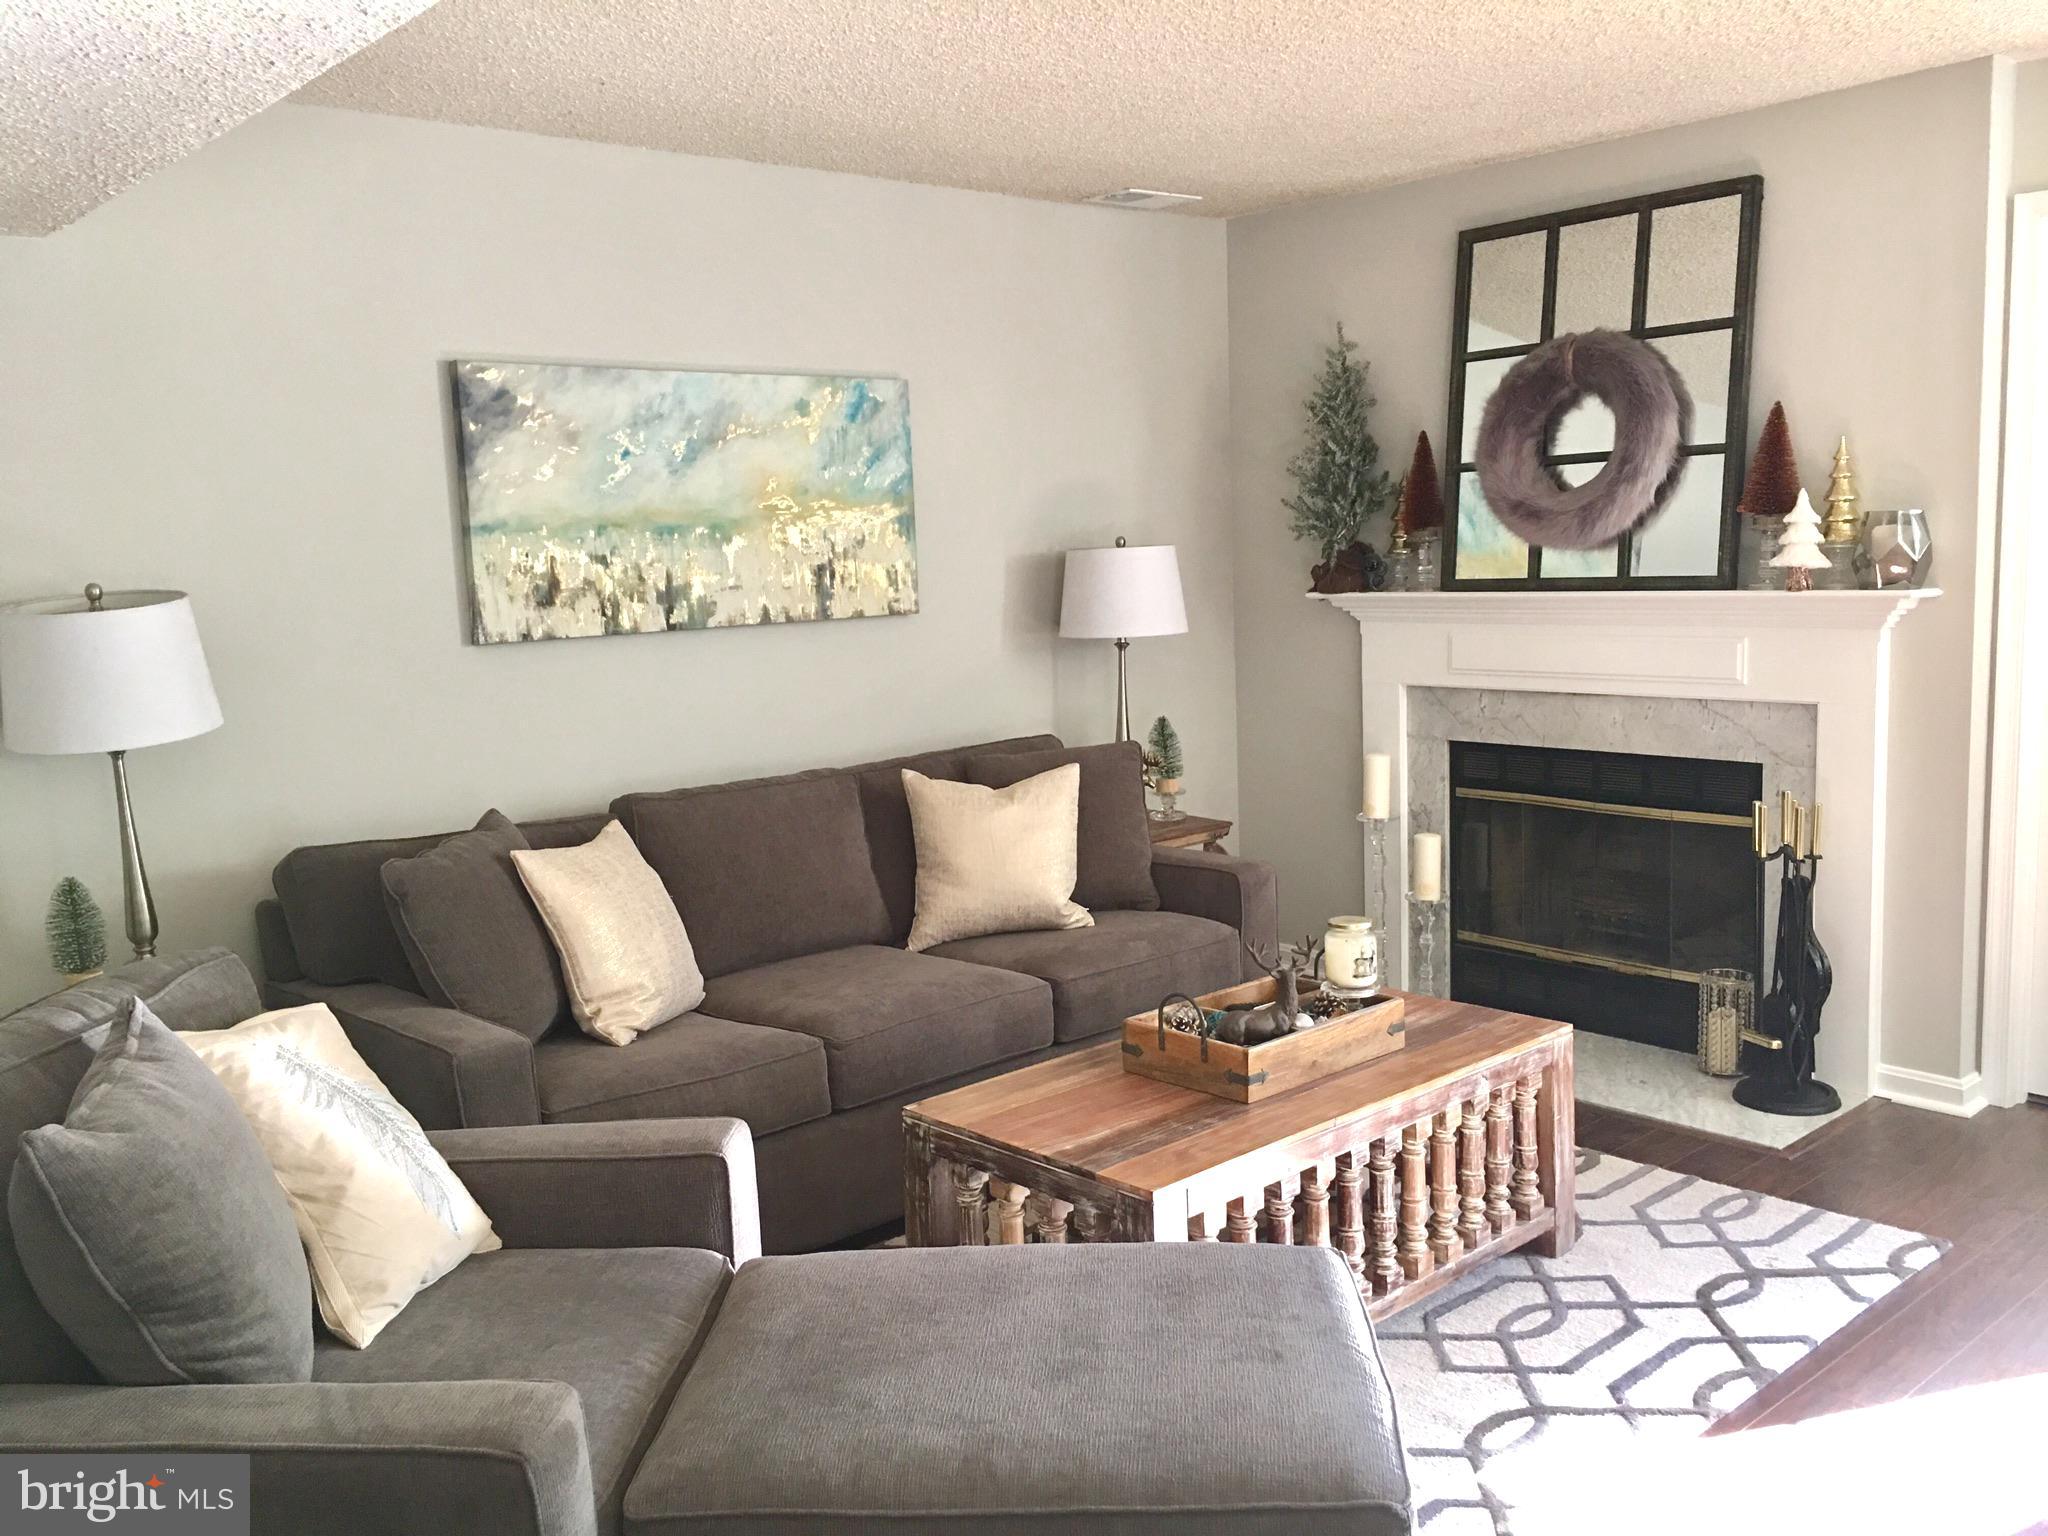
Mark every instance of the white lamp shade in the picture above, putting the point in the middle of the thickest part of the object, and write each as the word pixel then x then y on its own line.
pixel 128 674
pixel 1122 593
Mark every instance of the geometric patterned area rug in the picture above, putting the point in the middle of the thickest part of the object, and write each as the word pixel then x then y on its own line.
pixel 1680 1300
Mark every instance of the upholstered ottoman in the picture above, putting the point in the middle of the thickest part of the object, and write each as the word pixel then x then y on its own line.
pixel 1194 1388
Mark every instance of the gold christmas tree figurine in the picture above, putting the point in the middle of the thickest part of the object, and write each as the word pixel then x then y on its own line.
pixel 1843 523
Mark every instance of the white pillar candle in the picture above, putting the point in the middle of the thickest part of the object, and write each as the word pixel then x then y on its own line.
pixel 1426 867
pixel 1379 785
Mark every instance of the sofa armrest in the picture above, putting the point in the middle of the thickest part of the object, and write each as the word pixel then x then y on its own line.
pixel 464 1458
pixel 614 1184
pixel 1241 892
pixel 449 1068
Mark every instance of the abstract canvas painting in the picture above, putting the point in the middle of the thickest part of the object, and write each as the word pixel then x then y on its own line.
pixel 618 501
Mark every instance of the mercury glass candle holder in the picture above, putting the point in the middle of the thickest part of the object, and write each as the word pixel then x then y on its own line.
pixel 1727 1008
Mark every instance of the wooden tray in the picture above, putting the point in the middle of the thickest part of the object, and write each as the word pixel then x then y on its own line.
pixel 1251 1073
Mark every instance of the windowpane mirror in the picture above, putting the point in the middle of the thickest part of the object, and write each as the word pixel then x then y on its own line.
pixel 1683 539
pixel 1488 550
pixel 1506 308
pixel 1481 379
pixel 1702 360
pixel 1678 270
pixel 1580 564
pixel 1596 273
pixel 1692 261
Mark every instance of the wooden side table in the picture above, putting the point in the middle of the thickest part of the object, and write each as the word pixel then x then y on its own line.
pixel 1203 832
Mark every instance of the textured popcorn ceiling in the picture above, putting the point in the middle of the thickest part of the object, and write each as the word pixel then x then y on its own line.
pixel 1248 102
pixel 96 94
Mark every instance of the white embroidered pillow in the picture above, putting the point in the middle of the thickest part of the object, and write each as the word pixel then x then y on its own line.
pixel 625 956
pixel 381 1213
pixel 995 860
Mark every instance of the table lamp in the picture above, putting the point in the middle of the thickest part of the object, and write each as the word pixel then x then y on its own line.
pixel 106 672
pixel 1116 594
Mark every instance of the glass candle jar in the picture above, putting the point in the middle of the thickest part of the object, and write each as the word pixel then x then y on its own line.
pixel 1351 956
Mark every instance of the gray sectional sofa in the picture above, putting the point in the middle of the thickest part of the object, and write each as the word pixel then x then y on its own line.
pixel 626 1364
pixel 817 1026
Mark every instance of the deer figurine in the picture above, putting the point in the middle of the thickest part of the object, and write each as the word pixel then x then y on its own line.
pixel 1268 1021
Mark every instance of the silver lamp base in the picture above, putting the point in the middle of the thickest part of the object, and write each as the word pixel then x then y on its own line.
pixel 138 907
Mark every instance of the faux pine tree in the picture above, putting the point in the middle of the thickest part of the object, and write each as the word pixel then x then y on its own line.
pixel 1162 746
pixel 1340 483
pixel 1162 769
pixel 76 928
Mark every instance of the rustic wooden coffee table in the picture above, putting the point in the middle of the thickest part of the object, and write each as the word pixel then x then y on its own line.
pixel 1417 1166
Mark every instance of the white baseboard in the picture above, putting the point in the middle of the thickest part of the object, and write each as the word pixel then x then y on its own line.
pixel 1962 1096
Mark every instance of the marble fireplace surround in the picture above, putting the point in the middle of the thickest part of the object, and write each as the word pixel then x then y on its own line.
pixel 1796 682
pixel 1779 737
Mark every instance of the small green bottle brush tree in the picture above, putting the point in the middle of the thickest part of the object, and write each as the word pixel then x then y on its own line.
pixel 76 929
pixel 1162 755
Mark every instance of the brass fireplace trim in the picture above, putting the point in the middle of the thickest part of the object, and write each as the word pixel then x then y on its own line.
pixel 1604 808
pixel 1577 956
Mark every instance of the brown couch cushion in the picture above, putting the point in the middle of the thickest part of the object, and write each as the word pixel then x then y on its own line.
pixel 333 900
pixel 762 872
pixel 892 851
pixel 1123 965
pixel 694 1065
pixel 890 1020
pixel 1115 838
pixel 471 934
pixel 892 848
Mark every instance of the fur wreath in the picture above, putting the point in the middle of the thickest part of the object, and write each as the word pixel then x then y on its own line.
pixel 1652 419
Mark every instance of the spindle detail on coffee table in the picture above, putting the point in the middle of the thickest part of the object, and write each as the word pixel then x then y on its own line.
pixel 1415 1167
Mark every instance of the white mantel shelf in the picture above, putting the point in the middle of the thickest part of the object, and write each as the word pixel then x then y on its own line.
pixel 1871 611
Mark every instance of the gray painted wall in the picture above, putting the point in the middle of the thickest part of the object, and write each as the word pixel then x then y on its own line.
pixel 2030 127
pixel 1871 321
pixel 229 380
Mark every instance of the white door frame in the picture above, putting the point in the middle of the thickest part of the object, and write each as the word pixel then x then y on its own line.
pixel 2015 995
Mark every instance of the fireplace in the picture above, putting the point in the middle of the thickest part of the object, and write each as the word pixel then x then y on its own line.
pixel 1596 886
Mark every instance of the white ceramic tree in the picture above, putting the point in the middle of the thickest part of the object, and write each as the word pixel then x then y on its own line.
pixel 1799 546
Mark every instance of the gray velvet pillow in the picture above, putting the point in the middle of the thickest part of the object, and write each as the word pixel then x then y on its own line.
pixel 1115 838
pixel 473 935
pixel 152 1227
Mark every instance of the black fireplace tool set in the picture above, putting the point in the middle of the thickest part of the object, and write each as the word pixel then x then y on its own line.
pixel 1778 1054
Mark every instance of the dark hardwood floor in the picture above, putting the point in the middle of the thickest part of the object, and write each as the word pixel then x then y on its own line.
pixel 1977 1316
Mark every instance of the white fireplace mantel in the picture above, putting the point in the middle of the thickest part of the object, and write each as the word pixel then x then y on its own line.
pixel 1733 611
pixel 1830 650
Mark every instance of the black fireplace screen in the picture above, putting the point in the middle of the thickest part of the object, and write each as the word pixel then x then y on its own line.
pixel 1595 886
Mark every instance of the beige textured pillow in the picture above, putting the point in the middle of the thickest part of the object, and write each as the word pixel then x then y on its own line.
pixel 624 953
pixel 381 1213
pixel 994 860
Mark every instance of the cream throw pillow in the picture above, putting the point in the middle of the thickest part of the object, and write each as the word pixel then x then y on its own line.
pixel 995 860
pixel 381 1213
pixel 625 955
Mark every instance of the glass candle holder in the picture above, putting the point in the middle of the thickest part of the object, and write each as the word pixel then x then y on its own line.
pixel 1727 1008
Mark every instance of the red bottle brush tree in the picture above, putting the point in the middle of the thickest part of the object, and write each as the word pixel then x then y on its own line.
pixel 1771 488
pixel 1421 507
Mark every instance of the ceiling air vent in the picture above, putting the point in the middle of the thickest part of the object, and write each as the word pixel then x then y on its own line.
pixel 1143 198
